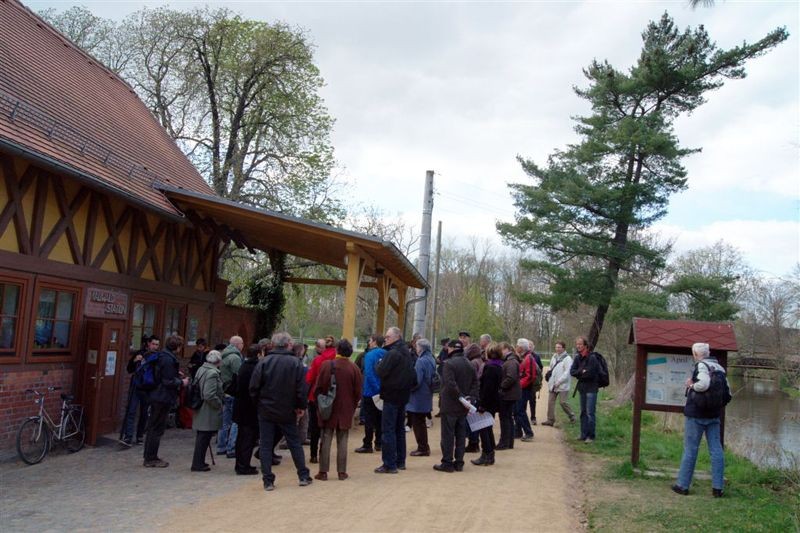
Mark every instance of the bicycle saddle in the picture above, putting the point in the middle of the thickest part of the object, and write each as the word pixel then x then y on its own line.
pixel 67 397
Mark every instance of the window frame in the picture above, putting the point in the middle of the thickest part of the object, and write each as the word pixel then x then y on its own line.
pixel 14 356
pixel 157 321
pixel 55 355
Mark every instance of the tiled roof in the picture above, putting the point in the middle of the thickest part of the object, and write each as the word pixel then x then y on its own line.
pixel 61 104
pixel 682 333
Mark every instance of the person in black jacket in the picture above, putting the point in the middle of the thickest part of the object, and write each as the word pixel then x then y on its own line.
pixel 137 399
pixel 162 399
pixel 278 388
pixel 198 357
pixel 245 413
pixel 459 380
pixel 489 400
pixel 586 368
pixel 397 374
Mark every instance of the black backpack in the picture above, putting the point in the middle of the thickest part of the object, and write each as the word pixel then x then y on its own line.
pixel 602 374
pixel 718 394
pixel 195 394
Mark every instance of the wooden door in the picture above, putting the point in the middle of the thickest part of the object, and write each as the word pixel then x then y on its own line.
pixel 104 360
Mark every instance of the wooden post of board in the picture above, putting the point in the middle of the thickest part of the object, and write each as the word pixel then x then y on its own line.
pixel 401 306
pixel 354 271
pixel 384 285
pixel 638 400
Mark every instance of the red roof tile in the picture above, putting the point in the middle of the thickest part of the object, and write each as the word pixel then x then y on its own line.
pixel 60 103
pixel 682 333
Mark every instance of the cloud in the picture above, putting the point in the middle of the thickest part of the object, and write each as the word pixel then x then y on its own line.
pixel 772 247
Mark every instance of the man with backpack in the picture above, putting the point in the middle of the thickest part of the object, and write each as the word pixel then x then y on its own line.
pixel 166 369
pixel 707 393
pixel 137 396
pixel 231 361
pixel 586 368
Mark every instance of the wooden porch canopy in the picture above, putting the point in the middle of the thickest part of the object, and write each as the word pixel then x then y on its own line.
pixel 359 254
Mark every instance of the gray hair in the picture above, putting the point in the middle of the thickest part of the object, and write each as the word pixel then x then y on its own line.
pixel 281 340
pixel 423 344
pixel 213 357
pixel 262 343
pixel 486 337
pixel 396 331
pixel 702 349
pixel 236 339
pixel 525 344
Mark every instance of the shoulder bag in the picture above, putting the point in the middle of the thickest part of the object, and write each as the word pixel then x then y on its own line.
pixel 325 401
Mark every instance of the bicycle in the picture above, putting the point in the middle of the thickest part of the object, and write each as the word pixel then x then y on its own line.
pixel 35 435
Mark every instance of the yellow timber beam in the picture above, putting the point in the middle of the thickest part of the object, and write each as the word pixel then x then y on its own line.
pixel 355 270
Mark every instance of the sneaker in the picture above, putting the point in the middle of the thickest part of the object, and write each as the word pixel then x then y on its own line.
pixel 680 490
pixel 306 481
pixel 155 463
pixel 383 470
pixel 444 468
pixel 363 449
pixel 588 440
pixel 126 442
pixel 527 438
pixel 717 493
pixel 269 486
pixel 548 423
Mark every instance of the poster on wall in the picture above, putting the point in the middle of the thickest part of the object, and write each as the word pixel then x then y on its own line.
pixel 91 357
pixel 111 363
pixel 666 377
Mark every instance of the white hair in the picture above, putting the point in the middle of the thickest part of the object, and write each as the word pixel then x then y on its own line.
pixel 236 339
pixel 486 337
pixel 396 331
pixel 423 344
pixel 281 340
pixel 213 357
pixel 525 344
pixel 702 349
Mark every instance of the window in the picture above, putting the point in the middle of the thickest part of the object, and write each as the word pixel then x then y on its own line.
pixel 54 318
pixel 9 317
pixel 172 323
pixel 143 322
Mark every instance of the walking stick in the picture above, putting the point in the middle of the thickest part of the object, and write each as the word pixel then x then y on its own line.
pixel 213 462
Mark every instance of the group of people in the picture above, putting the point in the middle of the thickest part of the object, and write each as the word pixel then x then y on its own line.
pixel 275 393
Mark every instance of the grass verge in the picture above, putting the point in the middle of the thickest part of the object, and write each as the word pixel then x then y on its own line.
pixel 619 499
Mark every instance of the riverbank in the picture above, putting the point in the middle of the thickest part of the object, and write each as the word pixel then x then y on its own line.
pixel 620 499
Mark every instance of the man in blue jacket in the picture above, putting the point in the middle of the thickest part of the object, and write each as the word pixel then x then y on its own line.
pixel 162 399
pixel 371 387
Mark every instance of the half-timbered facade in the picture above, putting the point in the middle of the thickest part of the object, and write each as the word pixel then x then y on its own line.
pixel 108 233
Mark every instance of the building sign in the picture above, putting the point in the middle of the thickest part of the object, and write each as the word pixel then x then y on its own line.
pixel 104 303
pixel 666 378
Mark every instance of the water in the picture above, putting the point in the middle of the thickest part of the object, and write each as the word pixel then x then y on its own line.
pixel 763 423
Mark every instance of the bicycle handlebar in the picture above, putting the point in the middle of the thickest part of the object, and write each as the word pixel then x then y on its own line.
pixel 50 389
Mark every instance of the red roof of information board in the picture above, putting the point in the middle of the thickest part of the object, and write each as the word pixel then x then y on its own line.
pixel 682 333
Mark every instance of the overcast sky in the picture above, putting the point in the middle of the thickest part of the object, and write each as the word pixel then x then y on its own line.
pixel 463 88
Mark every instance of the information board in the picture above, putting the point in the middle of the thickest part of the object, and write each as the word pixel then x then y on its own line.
pixel 666 378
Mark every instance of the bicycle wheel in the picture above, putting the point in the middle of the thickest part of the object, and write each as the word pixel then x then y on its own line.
pixel 74 430
pixel 33 440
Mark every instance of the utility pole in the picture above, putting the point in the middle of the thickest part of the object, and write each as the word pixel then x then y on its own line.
pixel 423 264
pixel 436 285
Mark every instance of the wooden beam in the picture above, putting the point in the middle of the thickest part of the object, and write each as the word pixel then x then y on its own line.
pixel 355 269
pixel 401 306
pixel 383 285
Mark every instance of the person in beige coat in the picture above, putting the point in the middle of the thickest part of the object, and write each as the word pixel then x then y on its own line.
pixel 208 419
pixel 559 384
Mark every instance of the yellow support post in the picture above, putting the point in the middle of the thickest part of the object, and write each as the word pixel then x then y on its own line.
pixel 354 272
pixel 401 306
pixel 383 285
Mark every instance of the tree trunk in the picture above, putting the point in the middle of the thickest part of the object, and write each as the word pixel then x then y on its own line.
pixel 626 394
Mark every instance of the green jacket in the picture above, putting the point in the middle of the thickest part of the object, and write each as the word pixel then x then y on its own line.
pixel 209 416
pixel 231 361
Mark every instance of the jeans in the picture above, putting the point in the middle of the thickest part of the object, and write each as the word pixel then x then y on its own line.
pixel 372 423
pixel 693 434
pixel 507 423
pixel 588 407
pixel 454 433
pixel 521 415
pixel 393 439
pixel 267 431
pixel 226 439
pixel 138 400
pixel 246 439
pixel 156 424
pixel 202 441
